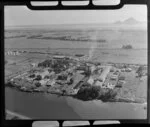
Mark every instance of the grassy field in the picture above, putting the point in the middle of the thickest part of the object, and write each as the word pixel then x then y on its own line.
pixel 134 88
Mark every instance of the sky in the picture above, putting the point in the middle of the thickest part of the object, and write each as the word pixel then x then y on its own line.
pixel 21 15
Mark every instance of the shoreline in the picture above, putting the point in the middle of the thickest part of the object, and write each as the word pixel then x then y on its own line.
pixel 71 106
pixel 118 99
pixel 13 115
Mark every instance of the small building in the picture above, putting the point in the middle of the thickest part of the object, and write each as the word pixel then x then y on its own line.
pixel 128 69
pixel 104 74
pixel 43 74
pixel 59 57
pixel 34 64
pixel 121 77
pixel 90 80
pixel 50 83
pixel 113 77
pixel 98 83
pixel 112 69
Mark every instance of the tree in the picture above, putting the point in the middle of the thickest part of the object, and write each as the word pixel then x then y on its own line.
pixel 38 77
pixel 49 70
pixel 139 71
pixel 71 81
pixel 96 92
pixel 85 84
pixel 88 93
pixel 62 77
pixel 32 76
pixel 37 84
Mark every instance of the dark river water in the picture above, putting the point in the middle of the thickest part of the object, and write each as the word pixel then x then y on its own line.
pixel 48 106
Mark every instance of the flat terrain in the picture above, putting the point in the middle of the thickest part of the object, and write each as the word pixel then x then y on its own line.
pixel 102 45
pixel 134 87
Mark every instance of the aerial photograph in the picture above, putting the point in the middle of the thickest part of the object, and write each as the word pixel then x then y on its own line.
pixel 75 64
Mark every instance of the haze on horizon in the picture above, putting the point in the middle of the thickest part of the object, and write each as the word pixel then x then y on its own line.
pixel 22 16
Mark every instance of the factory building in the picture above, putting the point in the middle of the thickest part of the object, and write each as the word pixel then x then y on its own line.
pixel 103 75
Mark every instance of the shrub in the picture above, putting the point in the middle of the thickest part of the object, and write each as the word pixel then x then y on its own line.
pixel 32 76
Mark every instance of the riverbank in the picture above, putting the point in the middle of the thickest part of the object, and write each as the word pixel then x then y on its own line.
pixel 117 99
pixel 14 116
pixel 52 106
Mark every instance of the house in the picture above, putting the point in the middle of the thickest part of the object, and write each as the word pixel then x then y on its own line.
pixel 113 77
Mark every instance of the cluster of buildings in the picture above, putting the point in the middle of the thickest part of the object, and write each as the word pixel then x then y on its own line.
pixel 14 53
pixel 69 80
pixel 103 77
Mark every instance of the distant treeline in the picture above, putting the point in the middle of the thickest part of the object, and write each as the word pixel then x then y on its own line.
pixel 65 38
pixel 127 47
pixel 17 36
pixel 68 39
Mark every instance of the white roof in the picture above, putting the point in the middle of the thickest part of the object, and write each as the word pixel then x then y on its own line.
pixel 43 82
pixel 58 56
pixel 91 80
pixel 98 83
pixel 104 73
pixel 44 73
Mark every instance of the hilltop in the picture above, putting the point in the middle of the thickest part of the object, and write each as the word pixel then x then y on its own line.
pixel 129 21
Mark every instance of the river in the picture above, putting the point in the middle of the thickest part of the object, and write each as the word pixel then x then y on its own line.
pixel 50 106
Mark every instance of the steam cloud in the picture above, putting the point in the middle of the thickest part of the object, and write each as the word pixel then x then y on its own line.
pixel 94 44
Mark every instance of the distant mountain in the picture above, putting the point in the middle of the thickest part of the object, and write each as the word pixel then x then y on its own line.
pixel 129 21
pixel 118 22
